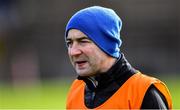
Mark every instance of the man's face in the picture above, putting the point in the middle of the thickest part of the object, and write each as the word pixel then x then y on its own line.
pixel 85 56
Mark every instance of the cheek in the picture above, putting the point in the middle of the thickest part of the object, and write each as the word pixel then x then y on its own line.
pixel 71 60
pixel 69 54
pixel 96 57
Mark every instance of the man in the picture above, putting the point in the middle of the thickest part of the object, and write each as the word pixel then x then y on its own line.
pixel 105 78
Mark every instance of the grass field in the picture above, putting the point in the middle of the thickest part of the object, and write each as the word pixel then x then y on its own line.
pixel 47 95
pixel 174 87
pixel 52 95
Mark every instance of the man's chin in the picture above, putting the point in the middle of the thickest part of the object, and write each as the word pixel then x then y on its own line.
pixel 83 73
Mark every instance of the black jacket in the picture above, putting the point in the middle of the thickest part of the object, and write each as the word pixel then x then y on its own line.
pixel 101 87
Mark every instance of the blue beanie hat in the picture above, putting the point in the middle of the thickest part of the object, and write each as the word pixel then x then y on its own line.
pixel 101 25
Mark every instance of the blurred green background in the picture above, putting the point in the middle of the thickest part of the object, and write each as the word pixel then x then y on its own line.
pixel 47 95
pixel 35 71
pixel 52 95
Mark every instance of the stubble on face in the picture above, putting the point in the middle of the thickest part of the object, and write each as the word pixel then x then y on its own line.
pixel 86 57
pixel 88 67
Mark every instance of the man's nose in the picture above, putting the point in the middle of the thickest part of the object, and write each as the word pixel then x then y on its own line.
pixel 74 50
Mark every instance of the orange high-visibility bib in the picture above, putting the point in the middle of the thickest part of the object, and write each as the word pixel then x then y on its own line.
pixel 129 96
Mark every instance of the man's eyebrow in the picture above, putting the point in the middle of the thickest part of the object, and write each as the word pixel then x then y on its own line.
pixel 78 39
pixel 83 38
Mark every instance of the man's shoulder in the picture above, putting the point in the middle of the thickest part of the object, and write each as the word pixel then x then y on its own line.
pixel 77 83
pixel 154 99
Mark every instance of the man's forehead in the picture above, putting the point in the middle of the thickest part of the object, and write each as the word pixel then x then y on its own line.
pixel 76 34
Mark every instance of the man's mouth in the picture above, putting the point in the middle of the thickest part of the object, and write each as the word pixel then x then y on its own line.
pixel 80 63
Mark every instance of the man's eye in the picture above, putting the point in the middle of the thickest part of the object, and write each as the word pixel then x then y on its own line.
pixel 69 43
pixel 85 41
